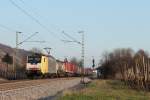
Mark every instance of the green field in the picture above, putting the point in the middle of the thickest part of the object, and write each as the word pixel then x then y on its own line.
pixel 105 90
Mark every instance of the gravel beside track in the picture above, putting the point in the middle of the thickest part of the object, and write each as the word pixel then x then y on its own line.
pixel 35 89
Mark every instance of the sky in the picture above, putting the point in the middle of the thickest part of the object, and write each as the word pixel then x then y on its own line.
pixel 107 24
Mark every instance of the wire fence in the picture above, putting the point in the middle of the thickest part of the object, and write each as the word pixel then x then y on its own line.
pixel 7 72
pixel 12 75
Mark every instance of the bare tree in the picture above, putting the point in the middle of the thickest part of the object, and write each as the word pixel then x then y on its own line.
pixel 77 62
pixel 134 68
pixel 36 50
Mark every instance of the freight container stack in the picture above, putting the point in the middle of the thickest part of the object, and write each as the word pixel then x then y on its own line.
pixel 70 68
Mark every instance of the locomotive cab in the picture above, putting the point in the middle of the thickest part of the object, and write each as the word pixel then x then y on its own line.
pixel 33 66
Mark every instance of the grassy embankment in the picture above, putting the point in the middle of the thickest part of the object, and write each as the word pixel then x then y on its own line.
pixel 106 90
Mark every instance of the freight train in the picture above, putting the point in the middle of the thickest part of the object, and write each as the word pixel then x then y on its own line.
pixel 48 66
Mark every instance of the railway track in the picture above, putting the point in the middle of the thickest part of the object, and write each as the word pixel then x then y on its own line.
pixel 36 89
pixel 27 83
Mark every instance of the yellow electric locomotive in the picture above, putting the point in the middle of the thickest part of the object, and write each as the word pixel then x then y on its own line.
pixel 38 65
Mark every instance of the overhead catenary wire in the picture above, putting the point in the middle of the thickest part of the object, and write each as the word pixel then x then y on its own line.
pixel 35 12
pixel 28 38
pixel 33 18
pixel 37 21
pixel 7 28
pixel 22 1
pixel 70 37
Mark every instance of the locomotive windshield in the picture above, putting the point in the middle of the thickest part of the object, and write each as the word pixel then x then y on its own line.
pixel 34 59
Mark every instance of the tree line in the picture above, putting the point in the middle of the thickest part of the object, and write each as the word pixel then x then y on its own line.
pixel 132 67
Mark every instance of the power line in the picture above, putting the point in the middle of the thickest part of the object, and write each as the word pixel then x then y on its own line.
pixel 7 28
pixel 82 47
pixel 22 1
pixel 28 38
pixel 34 11
pixel 72 38
pixel 33 18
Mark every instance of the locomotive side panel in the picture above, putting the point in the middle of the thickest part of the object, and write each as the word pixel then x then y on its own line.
pixel 52 69
pixel 44 65
pixel 59 66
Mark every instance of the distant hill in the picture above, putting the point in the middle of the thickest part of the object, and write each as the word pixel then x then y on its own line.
pixel 21 54
pixel 20 57
pixel 5 49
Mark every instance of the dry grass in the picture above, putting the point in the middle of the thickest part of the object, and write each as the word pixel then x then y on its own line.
pixel 106 90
